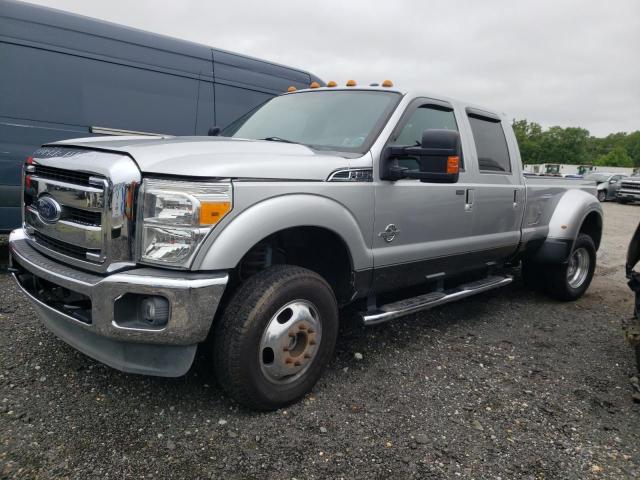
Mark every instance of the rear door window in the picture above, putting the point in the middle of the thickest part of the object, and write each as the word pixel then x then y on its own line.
pixel 491 144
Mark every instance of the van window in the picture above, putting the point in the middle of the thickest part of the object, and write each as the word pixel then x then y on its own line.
pixel 233 102
pixel 491 144
pixel 47 86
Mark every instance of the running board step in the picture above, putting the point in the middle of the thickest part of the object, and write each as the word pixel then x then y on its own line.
pixel 407 306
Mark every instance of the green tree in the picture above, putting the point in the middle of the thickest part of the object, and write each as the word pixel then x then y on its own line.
pixel 617 157
pixel 574 145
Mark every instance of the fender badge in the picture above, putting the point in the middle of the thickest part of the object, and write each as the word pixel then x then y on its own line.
pixel 389 233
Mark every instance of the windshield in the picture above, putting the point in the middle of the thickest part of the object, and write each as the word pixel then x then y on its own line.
pixel 336 120
pixel 597 177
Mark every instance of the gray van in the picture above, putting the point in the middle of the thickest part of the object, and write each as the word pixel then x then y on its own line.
pixel 65 76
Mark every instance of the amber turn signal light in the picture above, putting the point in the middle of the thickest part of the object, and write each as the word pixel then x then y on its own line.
pixel 453 165
pixel 212 212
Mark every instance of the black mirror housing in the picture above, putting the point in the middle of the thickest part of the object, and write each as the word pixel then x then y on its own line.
pixel 438 156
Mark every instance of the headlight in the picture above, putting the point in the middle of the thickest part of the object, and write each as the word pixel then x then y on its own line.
pixel 176 216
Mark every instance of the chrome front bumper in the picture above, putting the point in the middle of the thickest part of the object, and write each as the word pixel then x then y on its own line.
pixel 628 195
pixel 166 351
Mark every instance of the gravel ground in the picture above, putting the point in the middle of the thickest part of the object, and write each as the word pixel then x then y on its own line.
pixel 508 384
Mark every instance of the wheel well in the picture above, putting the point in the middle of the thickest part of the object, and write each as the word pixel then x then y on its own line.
pixel 592 226
pixel 316 248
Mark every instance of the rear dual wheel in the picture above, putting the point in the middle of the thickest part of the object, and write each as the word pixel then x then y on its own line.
pixel 569 280
pixel 275 337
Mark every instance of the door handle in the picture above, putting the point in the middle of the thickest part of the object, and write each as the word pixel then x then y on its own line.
pixel 515 199
pixel 470 196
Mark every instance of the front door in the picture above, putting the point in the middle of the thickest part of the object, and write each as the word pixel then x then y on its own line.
pixel 422 230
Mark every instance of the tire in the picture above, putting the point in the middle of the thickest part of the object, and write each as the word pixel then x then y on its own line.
pixel 286 307
pixel 560 282
pixel 533 275
pixel 602 195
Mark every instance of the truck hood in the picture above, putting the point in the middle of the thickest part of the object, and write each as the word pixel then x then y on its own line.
pixel 220 157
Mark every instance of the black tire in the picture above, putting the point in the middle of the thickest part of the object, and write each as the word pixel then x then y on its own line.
pixel 557 283
pixel 239 332
pixel 533 275
pixel 602 195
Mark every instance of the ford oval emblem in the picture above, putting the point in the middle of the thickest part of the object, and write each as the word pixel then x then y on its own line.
pixel 48 209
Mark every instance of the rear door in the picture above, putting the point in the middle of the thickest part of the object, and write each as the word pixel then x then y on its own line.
pixel 499 193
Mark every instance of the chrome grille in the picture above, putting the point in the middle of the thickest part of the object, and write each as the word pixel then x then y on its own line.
pixel 630 186
pixel 53 173
pixel 63 247
pixel 93 228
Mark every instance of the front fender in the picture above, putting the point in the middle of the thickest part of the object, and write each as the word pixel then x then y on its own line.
pixel 226 249
pixel 570 213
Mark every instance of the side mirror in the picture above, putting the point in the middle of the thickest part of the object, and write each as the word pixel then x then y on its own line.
pixel 614 181
pixel 438 158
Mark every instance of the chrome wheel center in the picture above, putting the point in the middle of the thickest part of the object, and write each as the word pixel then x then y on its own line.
pixel 290 342
pixel 578 267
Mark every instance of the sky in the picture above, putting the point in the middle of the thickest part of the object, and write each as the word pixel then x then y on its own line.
pixel 555 62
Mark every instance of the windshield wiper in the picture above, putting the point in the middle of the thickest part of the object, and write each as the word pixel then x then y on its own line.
pixel 277 139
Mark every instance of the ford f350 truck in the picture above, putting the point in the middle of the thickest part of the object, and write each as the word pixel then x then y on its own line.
pixel 137 250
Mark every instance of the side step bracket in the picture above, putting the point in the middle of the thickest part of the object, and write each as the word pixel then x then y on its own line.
pixel 408 306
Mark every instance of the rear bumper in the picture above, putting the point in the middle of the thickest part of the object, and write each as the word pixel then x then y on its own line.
pixel 102 334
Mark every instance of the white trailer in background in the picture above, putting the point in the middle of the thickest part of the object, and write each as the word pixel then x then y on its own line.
pixel 562 170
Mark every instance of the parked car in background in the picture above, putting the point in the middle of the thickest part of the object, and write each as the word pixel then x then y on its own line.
pixel 629 190
pixel 65 75
pixel 390 200
pixel 608 184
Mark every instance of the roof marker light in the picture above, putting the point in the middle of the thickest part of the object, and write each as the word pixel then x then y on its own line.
pixel 351 83
pixel 291 89
pixel 314 85
pixel 387 83
pixel 331 84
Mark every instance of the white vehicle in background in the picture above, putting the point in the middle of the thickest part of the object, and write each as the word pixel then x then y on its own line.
pixel 567 170
pixel 629 190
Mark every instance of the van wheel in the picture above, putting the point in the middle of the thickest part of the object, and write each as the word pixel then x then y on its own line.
pixel 602 195
pixel 275 337
pixel 570 280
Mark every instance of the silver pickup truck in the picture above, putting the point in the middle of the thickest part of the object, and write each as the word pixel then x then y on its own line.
pixel 136 250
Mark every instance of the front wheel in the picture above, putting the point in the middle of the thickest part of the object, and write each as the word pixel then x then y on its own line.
pixel 570 280
pixel 602 195
pixel 275 337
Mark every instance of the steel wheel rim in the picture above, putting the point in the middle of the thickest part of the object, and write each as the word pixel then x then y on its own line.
pixel 290 342
pixel 578 267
